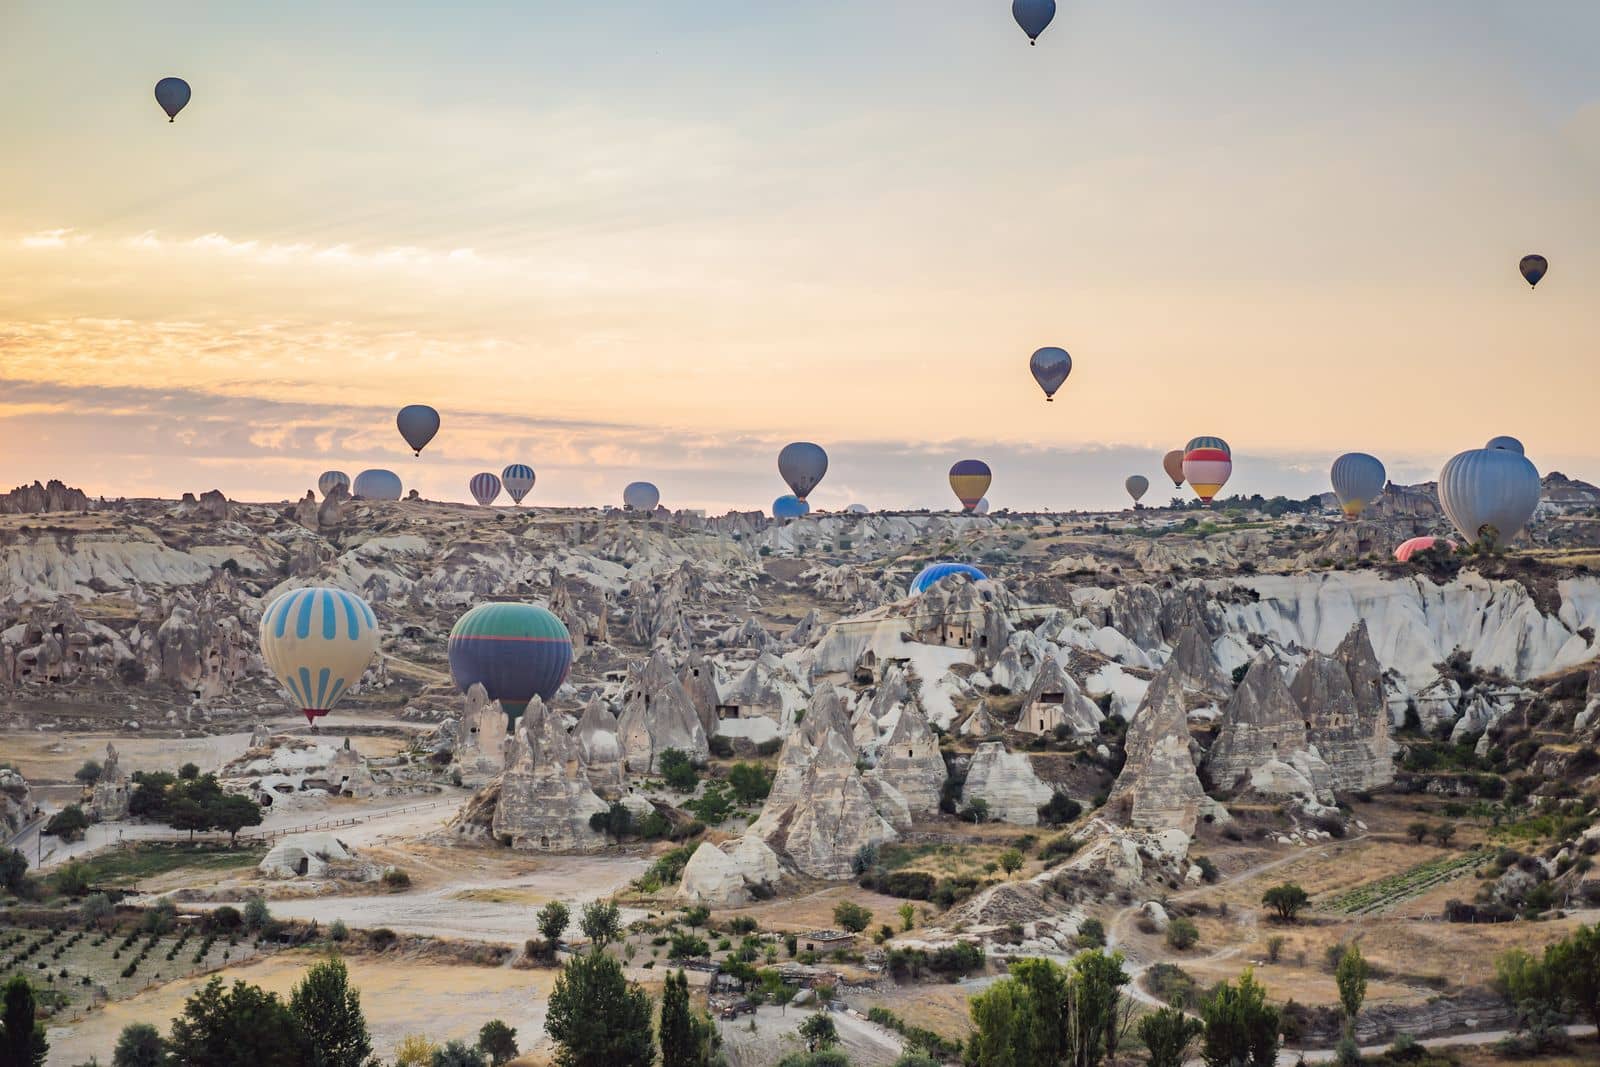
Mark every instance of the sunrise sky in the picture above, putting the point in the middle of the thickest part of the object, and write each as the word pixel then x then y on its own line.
pixel 660 238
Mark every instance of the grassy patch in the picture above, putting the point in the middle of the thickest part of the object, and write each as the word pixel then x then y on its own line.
pixel 126 866
pixel 1385 893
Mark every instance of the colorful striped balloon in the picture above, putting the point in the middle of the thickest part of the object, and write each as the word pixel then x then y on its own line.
pixel 485 487
pixel 318 641
pixel 515 651
pixel 331 480
pixel 970 479
pixel 518 479
pixel 1207 463
pixel 1407 549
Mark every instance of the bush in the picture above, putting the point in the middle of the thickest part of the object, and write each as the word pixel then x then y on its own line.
pixel 1091 934
pixel 1286 900
pixel 396 878
pixel 852 916
pixel 678 770
pixel 68 824
pixel 338 931
pixel 1182 934
pixel 1059 809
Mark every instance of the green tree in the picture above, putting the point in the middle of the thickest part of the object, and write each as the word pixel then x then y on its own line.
pixel 830 1057
pixel 1182 934
pixel 72 879
pixel 1099 1012
pixel 140 1045
pixel 22 1040
pixel 498 1041
pixel 458 1054
pixel 750 783
pixel 616 822
pixel 331 1021
pixel 1444 833
pixel 89 773
pixel 1011 861
pixel 256 914
pixel 601 923
pixel 1167 1034
pixel 819 1032
pixel 233 813
pixel 190 815
pixel 221 1027
pixel 679 1047
pixel 13 869
pixel 1417 831
pixel 908 915
pixel 1241 1028
pixel 1007 1027
pixel 554 918
pixel 1351 977
pixel 597 1018
pixel 188 772
pixel 415 1050
pixel 852 916
pixel 1286 899
pixel 68 824
pixel 678 770
pixel 1573 964
pixel 1523 979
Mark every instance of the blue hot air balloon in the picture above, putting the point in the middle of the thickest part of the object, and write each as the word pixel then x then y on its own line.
pixel 330 480
pixel 1033 16
pixel 641 496
pixel 789 507
pixel 417 423
pixel 376 484
pixel 1050 367
pixel 173 95
pixel 485 487
pixel 1506 444
pixel 1533 269
pixel 515 651
pixel 1489 494
pixel 802 465
pixel 934 572
pixel 518 479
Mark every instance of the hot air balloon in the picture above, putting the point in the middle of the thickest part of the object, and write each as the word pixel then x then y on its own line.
pixel 1489 494
pixel 330 479
pixel 982 508
pixel 1172 463
pixel 318 641
pixel 1407 549
pixel 518 479
pixel 641 496
pixel 970 479
pixel 856 509
pixel 933 572
pixel 485 487
pixel 173 95
pixel 1357 480
pixel 1050 367
pixel 1533 269
pixel 376 484
pixel 418 423
pixel 1207 463
pixel 1033 16
pixel 1506 444
pixel 802 466
pixel 515 651
pixel 1137 486
pixel 789 507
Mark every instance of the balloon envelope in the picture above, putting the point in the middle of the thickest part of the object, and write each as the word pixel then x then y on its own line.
pixel 641 496
pixel 857 509
pixel 1533 268
pixel 802 466
pixel 173 95
pixel 789 507
pixel 1489 492
pixel 1215 443
pixel 1033 16
pixel 518 479
pixel 515 651
pixel 1358 479
pixel 317 642
pixel 970 479
pixel 418 423
pixel 934 572
pixel 1172 463
pixel 1506 444
pixel 1206 467
pixel 1050 367
pixel 485 487
pixel 1407 549
pixel 982 508
pixel 1137 486
pixel 330 479
pixel 376 484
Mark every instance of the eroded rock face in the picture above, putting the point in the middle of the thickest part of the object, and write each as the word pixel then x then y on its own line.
pixel 1196 667
pixel 1006 782
pixel 1158 788
pixel 480 740
pixel 1351 733
pixel 110 798
pixel 909 761
pixel 601 748
pixel 1055 702
pixel 545 798
pixel 820 812
pixel 964 614
pixel 700 682
pixel 731 875
pixel 657 714
pixel 1262 722
pixel 36 499
pixel 16 801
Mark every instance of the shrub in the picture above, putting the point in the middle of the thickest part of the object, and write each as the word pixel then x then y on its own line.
pixel 1182 934
pixel 1091 934
pixel 396 878
pixel 852 916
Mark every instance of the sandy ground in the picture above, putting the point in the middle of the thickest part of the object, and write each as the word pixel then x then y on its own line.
pixel 774 1037
pixel 398 996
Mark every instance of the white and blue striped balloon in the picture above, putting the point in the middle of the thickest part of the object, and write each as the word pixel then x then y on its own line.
pixel 331 480
pixel 518 479
pixel 318 641
pixel 485 487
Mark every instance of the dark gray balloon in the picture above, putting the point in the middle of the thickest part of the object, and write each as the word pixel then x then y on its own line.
pixel 1033 16
pixel 641 496
pixel 173 95
pixel 418 423
pixel 376 484
pixel 802 466
pixel 1050 367
pixel 1533 268
pixel 1507 444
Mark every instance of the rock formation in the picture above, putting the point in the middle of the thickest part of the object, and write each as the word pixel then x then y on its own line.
pixel 820 812
pixel 1055 702
pixel 909 761
pixel 16 801
pixel 959 612
pixel 109 800
pixel 657 714
pixel 1261 722
pixel 1006 783
pixel 1196 666
pixel 700 682
pixel 1158 788
pixel 36 499
pixel 480 741
pixel 601 748
pixel 731 875
pixel 1349 731
pixel 545 799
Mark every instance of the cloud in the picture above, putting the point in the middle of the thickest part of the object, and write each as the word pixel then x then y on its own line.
pixel 59 238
